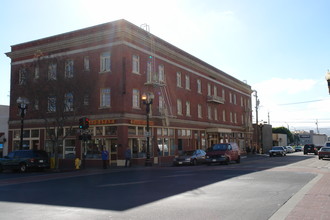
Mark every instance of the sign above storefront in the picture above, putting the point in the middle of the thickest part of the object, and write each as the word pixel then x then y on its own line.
pixel 101 122
pixel 141 122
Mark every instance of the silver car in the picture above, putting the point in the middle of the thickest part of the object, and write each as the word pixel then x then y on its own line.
pixel 190 157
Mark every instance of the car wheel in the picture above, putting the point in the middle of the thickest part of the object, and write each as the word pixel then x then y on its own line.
pixel 238 159
pixel 194 162
pixel 22 167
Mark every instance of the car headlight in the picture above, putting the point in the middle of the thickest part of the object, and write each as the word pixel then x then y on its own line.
pixel 207 157
pixel 187 159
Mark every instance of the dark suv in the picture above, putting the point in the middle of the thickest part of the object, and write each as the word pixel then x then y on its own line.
pixel 23 160
pixel 310 148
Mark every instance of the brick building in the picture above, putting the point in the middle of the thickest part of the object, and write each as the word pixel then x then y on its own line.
pixel 101 73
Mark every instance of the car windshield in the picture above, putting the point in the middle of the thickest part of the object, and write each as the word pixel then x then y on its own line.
pixel 277 148
pixel 326 149
pixel 188 153
pixel 218 147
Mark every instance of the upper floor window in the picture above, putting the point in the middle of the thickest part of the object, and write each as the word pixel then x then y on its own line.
pixel 136 64
pixel 224 115
pixel 36 104
pixel 51 104
pixel 187 82
pixel 179 107
pixel 68 102
pixel 105 62
pixel 136 98
pixel 22 76
pixel 178 79
pixel 230 98
pixel 209 112
pixel 52 71
pixel 242 102
pixel 199 110
pixel 216 114
pixel 161 74
pixel 161 103
pixel 69 68
pixel 36 72
pixel 199 86
pixel 209 89
pixel 188 108
pixel 149 71
pixel 234 99
pixel 105 98
pixel 215 91
pixel 86 64
pixel 223 94
pixel 86 99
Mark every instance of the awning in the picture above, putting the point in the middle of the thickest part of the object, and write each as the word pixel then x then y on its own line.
pixel 218 130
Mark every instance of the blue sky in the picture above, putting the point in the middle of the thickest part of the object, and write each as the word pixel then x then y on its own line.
pixel 279 47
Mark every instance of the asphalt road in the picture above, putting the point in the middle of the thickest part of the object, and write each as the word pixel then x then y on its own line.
pixel 254 189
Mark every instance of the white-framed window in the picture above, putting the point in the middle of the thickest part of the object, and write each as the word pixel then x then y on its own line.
pixel 234 99
pixel 215 91
pixel 216 114
pixel 179 106
pixel 36 104
pixel 149 71
pixel 68 102
pixel 209 112
pixel 52 71
pixel 69 68
pixel 235 117
pixel 105 62
pixel 136 64
pixel 209 89
pixel 105 98
pixel 161 104
pixel 187 82
pixel 223 94
pixel 199 111
pixel 36 72
pixel 242 118
pixel 230 98
pixel 22 76
pixel 51 104
pixel 178 79
pixel 188 108
pixel 199 86
pixel 242 102
pixel 86 63
pixel 86 99
pixel 161 74
pixel 231 117
pixel 136 98
pixel 224 115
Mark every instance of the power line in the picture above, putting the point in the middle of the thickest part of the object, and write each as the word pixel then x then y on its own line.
pixel 295 103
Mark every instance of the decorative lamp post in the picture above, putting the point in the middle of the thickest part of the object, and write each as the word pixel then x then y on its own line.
pixel 22 106
pixel 147 99
pixel 327 77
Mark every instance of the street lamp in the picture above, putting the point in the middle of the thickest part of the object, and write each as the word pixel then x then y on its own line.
pixel 22 106
pixel 327 77
pixel 147 99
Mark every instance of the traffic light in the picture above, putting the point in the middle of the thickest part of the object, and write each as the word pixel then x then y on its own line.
pixel 83 123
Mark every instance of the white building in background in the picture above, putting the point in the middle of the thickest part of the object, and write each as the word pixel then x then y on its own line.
pixel 4 117
pixel 312 138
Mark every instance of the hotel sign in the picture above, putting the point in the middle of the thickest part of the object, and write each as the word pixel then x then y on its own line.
pixel 141 122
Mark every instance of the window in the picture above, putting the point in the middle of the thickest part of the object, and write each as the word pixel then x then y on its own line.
pixel 199 86
pixel 149 71
pixel 224 115
pixel 215 91
pixel 187 108
pixel 36 104
pixel 223 94
pixel 69 68
pixel 68 102
pixel 209 112
pixel 242 103
pixel 36 72
pixel 216 114
pixel 231 117
pixel 51 104
pixel 179 106
pixel 22 77
pixel 105 98
pixel 209 89
pixel 199 110
pixel 161 74
pixel 105 62
pixel 187 82
pixel 161 104
pixel 235 102
pixel 136 64
pixel 235 118
pixel 86 63
pixel 52 71
pixel 178 79
pixel 86 99
pixel 230 98
pixel 136 98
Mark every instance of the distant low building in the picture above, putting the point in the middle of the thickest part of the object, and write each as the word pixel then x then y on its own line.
pixel 312 138
pixel 280 139
pixel 4 117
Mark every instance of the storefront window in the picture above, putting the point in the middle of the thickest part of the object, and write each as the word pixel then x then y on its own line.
pixel 172 147
pixel 170 132
pixel 50 148
pixel 165 147
pixel 140 131
pixel 35 133
pixel 139 147
pixel 159 132
pixel 99 131
pixel 26 133
pixel 131 130
pixel 160 146
pixel 16 145
pixel 70 148
pixel 93 150
pixel 17 133
pixel 110 130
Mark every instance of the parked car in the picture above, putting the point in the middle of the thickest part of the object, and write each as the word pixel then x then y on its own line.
pixel 289 149
pixel 310 148
pixel 191 157
pixel 324 152
pixel 23 160
pixel 298 148
pixel 223 153
pixel 277 151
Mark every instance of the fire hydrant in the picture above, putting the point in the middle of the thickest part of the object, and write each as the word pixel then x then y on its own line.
pixel 77 163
